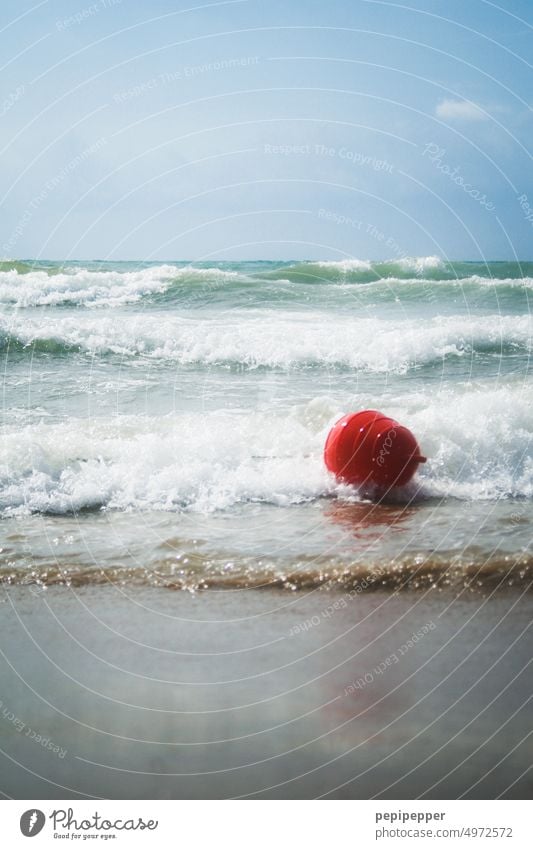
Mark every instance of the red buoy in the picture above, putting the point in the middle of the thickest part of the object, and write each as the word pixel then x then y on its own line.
pixel 371 449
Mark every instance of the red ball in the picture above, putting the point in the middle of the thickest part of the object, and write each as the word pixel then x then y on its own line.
pixel 371 449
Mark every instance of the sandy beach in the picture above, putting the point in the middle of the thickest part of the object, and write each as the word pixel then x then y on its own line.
pixel 127 692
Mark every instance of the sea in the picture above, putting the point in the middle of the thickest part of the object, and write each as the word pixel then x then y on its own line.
pixel 163 423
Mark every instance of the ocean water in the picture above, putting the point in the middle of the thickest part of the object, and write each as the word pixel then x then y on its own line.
pixel 163 423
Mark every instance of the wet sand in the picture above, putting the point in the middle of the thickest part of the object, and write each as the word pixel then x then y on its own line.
pixel 137 692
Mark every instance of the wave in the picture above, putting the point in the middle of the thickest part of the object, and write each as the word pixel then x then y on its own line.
pixel 193 463
pixel 478 443
pixel 23 285
pixel 264 339
pixel 429 268
pixel 407 265
pixel 83 287
pixel 192 571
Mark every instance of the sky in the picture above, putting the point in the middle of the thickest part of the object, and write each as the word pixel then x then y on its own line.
pixel 266 130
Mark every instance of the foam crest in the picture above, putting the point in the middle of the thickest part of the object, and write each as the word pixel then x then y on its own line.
pixel 83 287
pixel 345 265
pixel 414 265
pixel 322 284
pixel 420 264
pixel 193 463
pixel 479 441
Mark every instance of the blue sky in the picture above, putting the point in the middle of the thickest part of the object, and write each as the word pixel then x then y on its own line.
pixel 237 130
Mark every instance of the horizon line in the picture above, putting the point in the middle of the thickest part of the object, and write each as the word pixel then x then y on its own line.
pixel 264 259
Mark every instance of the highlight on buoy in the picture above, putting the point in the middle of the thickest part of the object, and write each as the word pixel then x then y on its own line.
pixel 369 449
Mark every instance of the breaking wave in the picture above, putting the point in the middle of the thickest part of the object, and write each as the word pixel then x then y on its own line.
pixel 116 285
pixel 257 339
pixel 217 461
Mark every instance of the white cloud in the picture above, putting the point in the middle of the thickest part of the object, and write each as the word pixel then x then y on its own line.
pixel 462 110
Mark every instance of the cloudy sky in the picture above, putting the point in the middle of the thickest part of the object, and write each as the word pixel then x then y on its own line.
pixel 247 129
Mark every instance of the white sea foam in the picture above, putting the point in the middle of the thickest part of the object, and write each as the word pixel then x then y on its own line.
pixel 479 439
pixel 494 282
pixel 478 442
pixel 84 287
pixel 345 265
pixel 81 287
pixel 193 462
pixel 419 264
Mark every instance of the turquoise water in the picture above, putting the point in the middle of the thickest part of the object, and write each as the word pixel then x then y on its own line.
pixel 170 417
